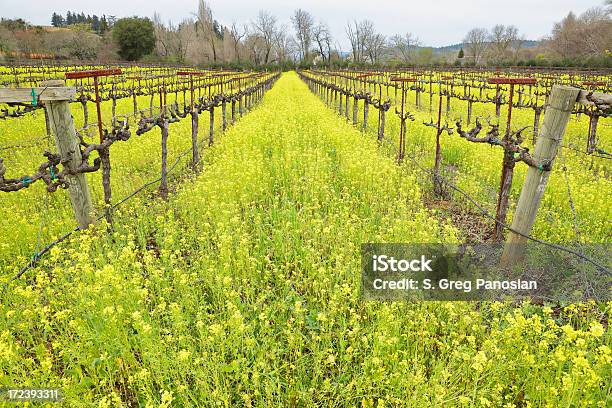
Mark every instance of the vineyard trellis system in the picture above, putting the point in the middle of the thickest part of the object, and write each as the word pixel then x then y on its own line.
pixel 336 88
pixel 66 169
pixel 472 87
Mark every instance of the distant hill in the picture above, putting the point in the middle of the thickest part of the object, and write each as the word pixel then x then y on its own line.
pixel 457 47
pixel 451 48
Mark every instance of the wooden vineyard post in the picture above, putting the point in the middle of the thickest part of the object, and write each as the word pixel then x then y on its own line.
pixel 449 92
pixel 62 125
pixel 194 118
pixel 381 124
pixel 497 100
pixel 560 104
pixel 355 108
pixel 194 126
pixel 537 111
pixel 363 77
pixel 163 184
pixel 438 156
pixel 346 105
pixel 381 115
pixel 212 124
pixel 224 113
pixel 593 119
pixel 233 111
pixel 592 139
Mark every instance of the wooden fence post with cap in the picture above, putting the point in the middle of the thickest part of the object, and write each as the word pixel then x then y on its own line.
pixel 62 127
pixel 556 116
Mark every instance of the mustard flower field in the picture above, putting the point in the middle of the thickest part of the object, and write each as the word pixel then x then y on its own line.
pixel 243 288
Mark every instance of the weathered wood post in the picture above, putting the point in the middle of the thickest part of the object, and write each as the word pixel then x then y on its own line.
pixel 497 100
pixel 556 116
pixel 537 111
pixel 163 124
pixel 366 108
pixel 212 124
pixel 62 126
pixel 438 156
pixel 223 113
pixel 135 101
pixel 114 106
pixel 194 137
pixel 592 139
pixel 233 110
pixel 346 105
pixel 163 184
pixel 194 126
pixel 469 112
pixel 83 100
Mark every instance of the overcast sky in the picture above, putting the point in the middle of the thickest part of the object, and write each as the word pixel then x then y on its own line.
pixel 435 22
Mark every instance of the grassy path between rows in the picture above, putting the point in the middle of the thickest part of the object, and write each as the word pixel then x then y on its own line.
pixel 243 290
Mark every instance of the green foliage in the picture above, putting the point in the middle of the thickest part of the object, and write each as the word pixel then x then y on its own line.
pixel 13 24
pixel 135 37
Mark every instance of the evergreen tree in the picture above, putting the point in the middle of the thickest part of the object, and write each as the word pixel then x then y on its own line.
pixel 69 18
pixel 57 20
pixel 461 54
pixel 95 24
pixel 135 37
pixel 103 25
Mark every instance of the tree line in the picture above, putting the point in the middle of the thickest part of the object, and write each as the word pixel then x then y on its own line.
pixel 99 25
pixel 585 39
pixel 576 40
pixel 200 39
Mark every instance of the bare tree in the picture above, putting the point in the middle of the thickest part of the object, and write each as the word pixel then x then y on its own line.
pixel 375 46
pixel 359 34
pixel 303 24
pixel 255 44
pixel 181 38
pixel 475 43
pixel 403 47
pixel 323 38
pixel 206 27
pixel 502 41
pixel 352 32
pixel 283 44
pixel 237 35
pixel 588 35
pixel 173 41
pixel 265 27
pixel 161 35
